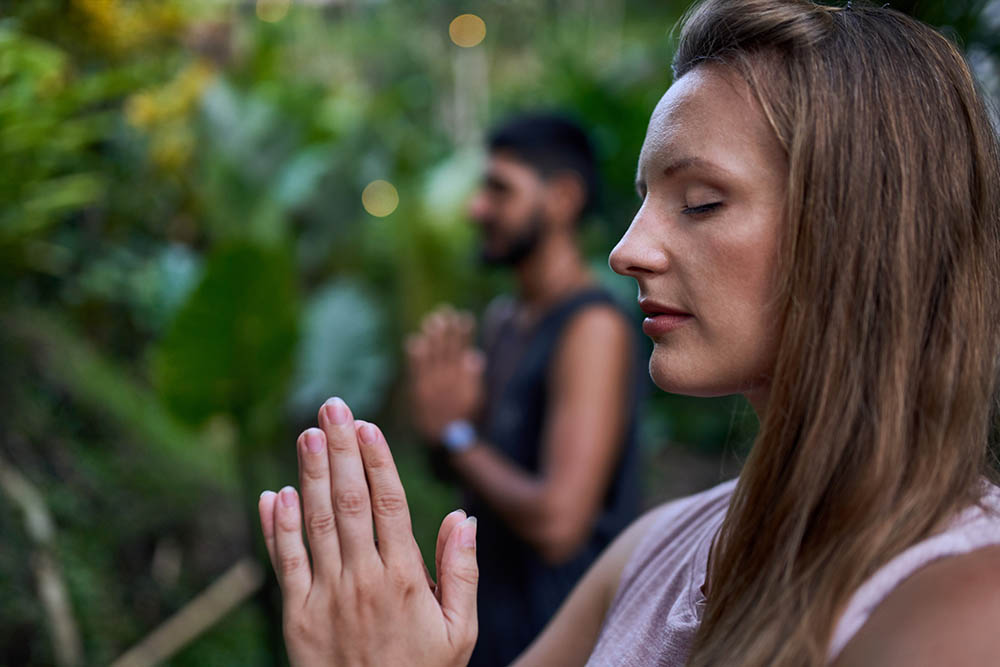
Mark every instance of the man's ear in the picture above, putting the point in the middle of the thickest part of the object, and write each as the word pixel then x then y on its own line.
pixel 566 195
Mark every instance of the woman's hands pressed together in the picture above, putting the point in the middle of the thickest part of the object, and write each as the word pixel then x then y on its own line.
pixel 358 602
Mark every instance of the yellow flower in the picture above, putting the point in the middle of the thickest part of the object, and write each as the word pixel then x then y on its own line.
pixel 171 148
pixel 122 27
pixel 140 111
pixel 172 101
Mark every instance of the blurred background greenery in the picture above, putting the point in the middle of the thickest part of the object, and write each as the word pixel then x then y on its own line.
pixel 217 214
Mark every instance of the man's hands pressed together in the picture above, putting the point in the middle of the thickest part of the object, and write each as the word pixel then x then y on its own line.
pixel 446 372
pixel 358 602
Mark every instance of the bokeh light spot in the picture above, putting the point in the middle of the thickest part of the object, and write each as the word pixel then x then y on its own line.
pixel 467 30
pixel 272 11
pixel 380 198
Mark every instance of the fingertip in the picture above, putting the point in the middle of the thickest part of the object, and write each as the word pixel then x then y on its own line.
pixel 313 440
pixel 433 321
pixel 451 521
pixel 335 411
pixel 265 503
pixel 289 497
pixel 368 434
pixel 265 507
pixel 467 533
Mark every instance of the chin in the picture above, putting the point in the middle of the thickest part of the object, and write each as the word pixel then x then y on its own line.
pixel 672 380
pixel 689 379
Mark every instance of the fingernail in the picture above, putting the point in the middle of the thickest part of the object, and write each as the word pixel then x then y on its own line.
pixel 468 534
pixel 314 443
pixel 336 411
pixel 266 492
pixel 287 496
pixel 368 434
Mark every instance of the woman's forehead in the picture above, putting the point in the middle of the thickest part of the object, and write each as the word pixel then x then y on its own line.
pixel 709 113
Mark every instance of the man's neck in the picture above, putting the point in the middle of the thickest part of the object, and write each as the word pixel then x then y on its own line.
pixel 554 270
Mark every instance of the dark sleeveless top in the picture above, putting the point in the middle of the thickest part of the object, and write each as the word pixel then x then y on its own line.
pixel 518 591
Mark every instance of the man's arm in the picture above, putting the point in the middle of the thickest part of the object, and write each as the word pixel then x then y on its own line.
pixel 589 396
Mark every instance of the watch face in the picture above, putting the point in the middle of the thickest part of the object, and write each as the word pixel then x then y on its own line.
pixel 458 435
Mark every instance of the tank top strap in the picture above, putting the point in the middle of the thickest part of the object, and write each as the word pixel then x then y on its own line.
pixel 976 527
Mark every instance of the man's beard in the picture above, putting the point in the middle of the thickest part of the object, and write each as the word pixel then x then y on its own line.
pixel 518 248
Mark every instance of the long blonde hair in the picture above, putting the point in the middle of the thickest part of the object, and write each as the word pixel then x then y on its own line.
pixel 879 412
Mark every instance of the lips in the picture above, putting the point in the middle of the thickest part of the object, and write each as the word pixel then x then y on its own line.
pixel 661 318
pixel 653 308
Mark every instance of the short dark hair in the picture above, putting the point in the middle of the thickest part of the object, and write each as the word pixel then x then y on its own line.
pixel 550 142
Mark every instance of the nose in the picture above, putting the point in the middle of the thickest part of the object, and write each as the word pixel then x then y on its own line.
pixel 478 207
pixel 638 253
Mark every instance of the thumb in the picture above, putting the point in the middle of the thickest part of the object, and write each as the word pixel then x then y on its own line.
pixel 448 526
pixel 458 581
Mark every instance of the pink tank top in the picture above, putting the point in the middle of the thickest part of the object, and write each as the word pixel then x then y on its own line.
pixel 654 615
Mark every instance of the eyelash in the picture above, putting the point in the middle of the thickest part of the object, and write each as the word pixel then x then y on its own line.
pixel 704 209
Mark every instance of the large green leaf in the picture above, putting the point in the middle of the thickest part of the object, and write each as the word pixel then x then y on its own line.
pixel 344 351
pixel 230 347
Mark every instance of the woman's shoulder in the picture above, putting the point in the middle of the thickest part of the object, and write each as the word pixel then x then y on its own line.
pixel 673 532
pixel 931 600
pixel 657 525
pixel 947 613
pixel 689 512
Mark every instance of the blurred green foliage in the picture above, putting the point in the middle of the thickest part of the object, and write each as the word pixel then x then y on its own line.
pixel 187 270
pixel 229 348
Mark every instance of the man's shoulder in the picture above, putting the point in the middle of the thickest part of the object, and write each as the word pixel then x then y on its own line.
pixel 594 306
pixel 597 324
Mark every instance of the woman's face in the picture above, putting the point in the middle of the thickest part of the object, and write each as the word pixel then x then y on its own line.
pixel 704 243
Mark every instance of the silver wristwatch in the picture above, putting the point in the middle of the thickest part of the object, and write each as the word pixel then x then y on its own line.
pixel 458 436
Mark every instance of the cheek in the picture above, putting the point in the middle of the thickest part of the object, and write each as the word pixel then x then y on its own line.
pixel 745 296
pixel 743 257
pixel 730 281
pixel 518 208
pixel 741 290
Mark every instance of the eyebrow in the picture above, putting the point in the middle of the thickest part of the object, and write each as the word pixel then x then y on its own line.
pixel 684 164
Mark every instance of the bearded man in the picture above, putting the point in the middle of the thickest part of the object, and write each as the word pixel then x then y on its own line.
pixel 538 421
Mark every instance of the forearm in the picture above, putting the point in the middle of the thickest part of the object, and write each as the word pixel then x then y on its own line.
pixel 524 501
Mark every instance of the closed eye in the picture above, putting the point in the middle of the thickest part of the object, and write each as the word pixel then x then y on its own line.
pixel 701 210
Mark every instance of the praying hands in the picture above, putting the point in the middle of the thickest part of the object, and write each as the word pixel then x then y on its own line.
pixel 354 599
